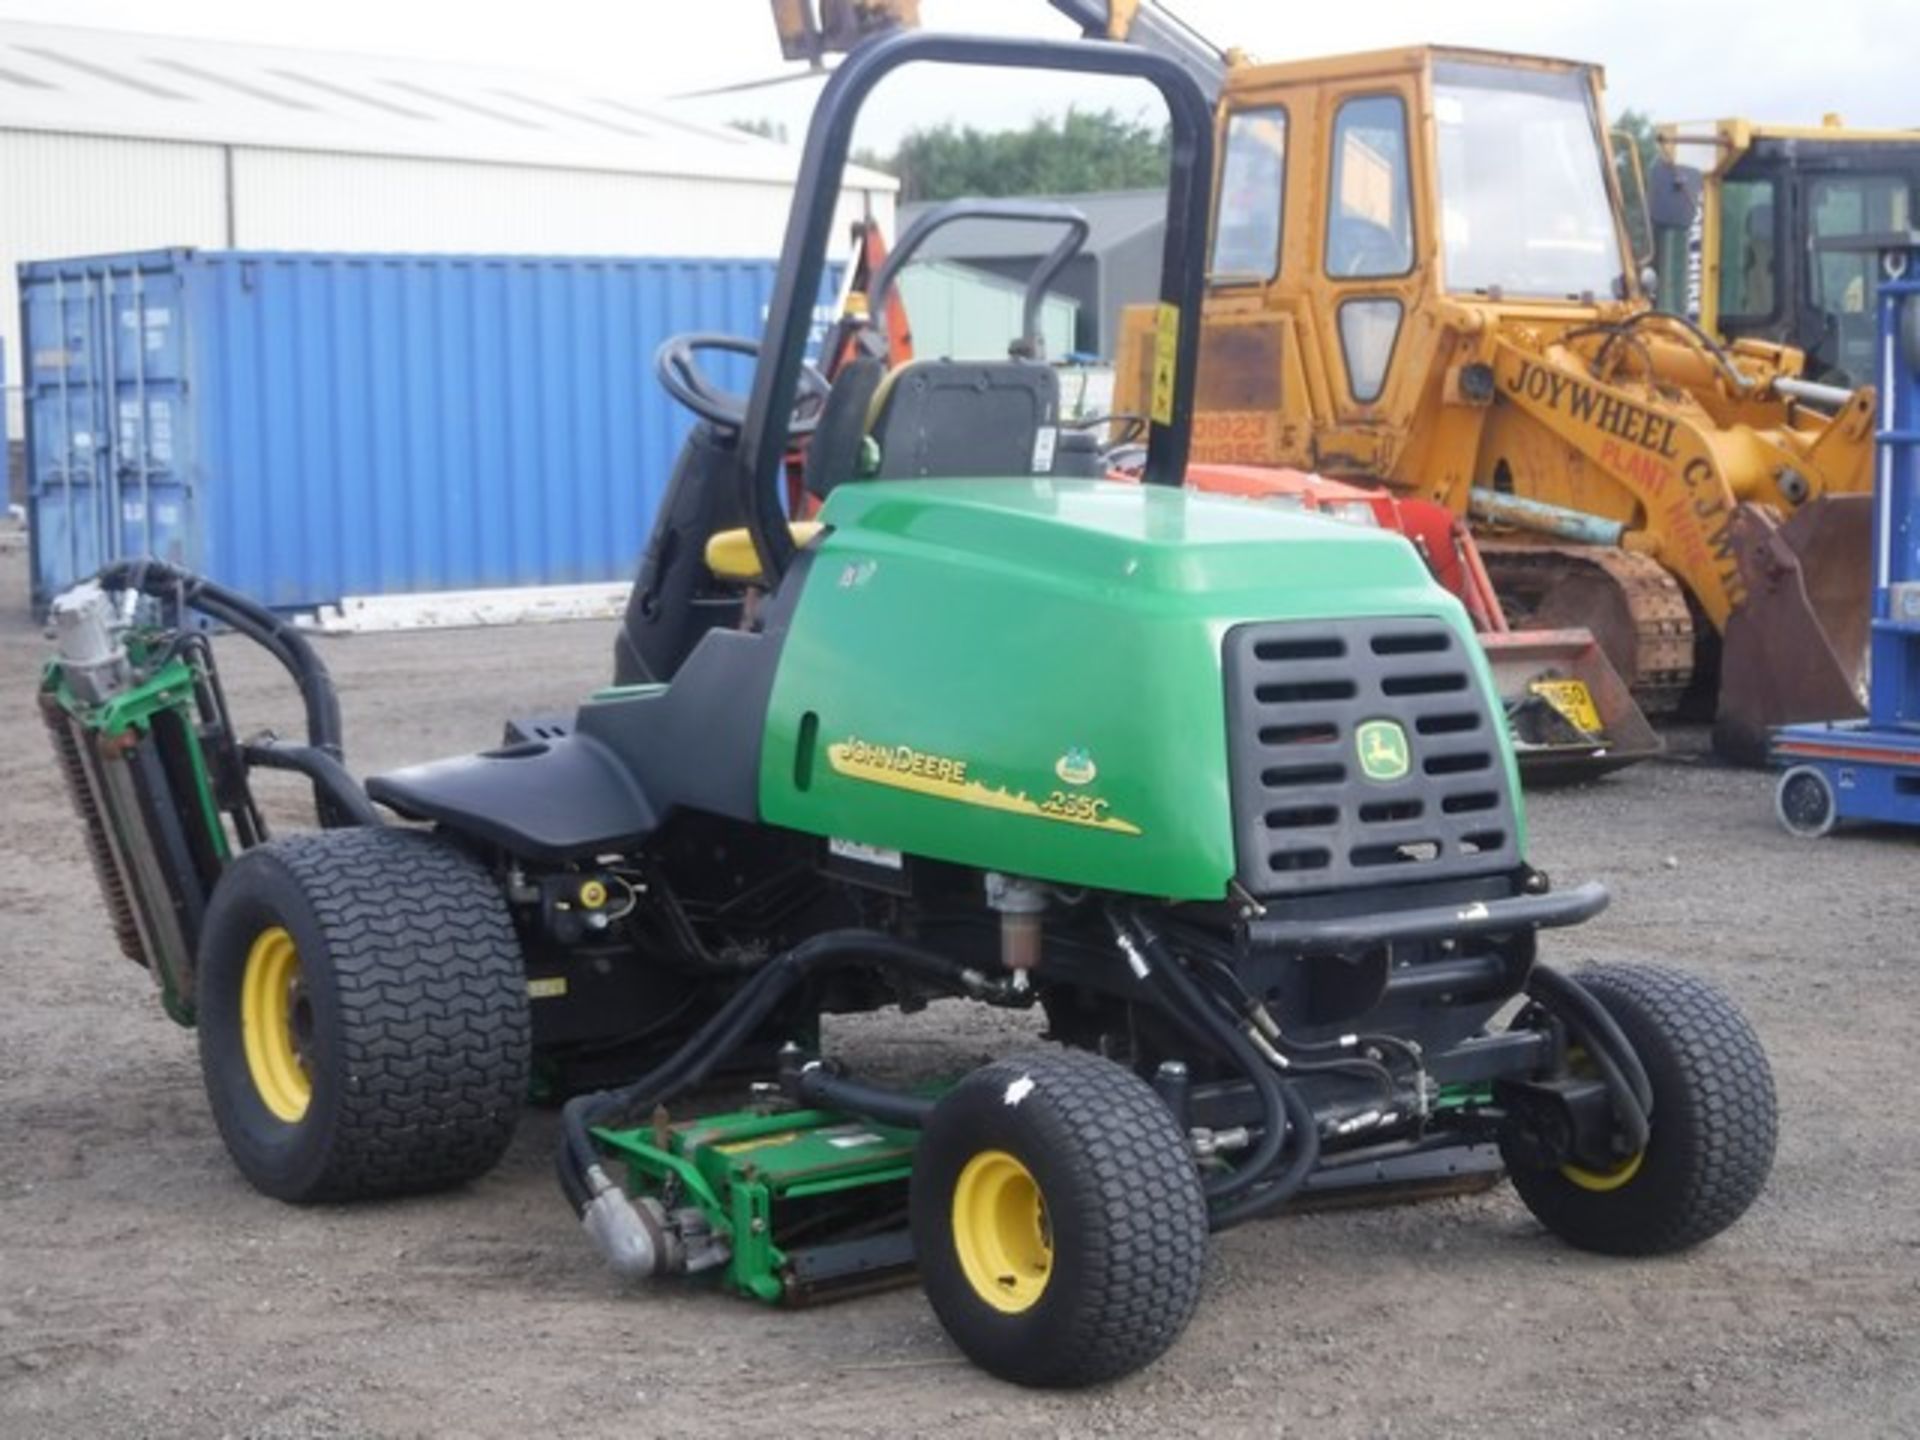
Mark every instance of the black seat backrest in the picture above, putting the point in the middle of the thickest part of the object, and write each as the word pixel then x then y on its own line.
pixel 967 419
pixel 675 600
pixel 833 450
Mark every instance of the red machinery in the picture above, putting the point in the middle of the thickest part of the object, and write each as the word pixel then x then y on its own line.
pixel 1572 716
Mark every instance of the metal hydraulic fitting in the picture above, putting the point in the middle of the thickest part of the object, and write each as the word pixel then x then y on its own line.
pixel 87 630
pixel 635 1237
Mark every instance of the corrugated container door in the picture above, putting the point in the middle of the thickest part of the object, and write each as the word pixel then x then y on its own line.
pixel 66 496
pixel 104 419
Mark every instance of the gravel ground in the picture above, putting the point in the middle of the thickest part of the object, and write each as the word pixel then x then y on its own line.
pixel 145 1290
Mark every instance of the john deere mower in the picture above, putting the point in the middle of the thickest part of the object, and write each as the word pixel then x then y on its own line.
pixel 1224 796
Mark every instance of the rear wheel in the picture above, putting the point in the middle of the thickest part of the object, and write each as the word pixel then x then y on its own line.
pixel 1058 1220
pixel 363 1015
pixel 1804 802
pixel 1712 1128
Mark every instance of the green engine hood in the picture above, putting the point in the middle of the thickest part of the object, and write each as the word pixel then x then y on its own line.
pixel 1025 675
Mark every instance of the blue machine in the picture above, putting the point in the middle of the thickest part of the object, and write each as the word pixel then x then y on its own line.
pixel 1870 769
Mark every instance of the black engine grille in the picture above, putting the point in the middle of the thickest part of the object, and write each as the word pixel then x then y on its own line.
pixel 1306 814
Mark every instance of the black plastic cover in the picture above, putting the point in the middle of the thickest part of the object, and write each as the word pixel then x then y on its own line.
pixel 550 800
pixel 1304 699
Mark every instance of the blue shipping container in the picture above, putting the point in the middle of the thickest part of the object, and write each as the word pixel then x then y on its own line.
pixel 305 427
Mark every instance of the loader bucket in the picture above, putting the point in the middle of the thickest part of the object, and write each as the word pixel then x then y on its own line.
pixel 1796 648
pixel 1571 715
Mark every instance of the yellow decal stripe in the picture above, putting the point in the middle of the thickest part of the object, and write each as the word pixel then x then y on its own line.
pixel 865 762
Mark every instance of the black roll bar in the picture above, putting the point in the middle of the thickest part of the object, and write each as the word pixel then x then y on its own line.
pixel 1019 212
pixel 763 437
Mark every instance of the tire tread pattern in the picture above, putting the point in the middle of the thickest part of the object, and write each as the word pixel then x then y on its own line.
pixel 1717 1107
pixel 435 1027
pixel 1135 1200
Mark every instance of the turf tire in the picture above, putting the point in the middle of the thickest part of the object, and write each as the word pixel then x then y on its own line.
pixel 1127 1218
pixel 421 1041
pixel 1714 1122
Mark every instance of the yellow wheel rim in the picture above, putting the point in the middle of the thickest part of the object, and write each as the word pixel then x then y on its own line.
pixel 1598 1181
pixel 1000 1232
pixel 1601 1181
pixel 272 1014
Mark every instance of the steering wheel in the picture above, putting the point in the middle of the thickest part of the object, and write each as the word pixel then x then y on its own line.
pixel 1360 248
pixel 677 364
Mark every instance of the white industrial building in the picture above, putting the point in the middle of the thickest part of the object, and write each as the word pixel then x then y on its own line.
pixel 112 141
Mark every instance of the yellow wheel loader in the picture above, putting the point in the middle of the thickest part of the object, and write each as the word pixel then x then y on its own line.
pixel 1419 275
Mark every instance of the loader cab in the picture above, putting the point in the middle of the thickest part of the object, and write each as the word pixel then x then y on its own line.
pixel 1361 199
pixel 1756 245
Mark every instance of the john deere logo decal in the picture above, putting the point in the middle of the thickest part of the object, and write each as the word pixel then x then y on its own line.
pixel 1076 767
pixel 1382 747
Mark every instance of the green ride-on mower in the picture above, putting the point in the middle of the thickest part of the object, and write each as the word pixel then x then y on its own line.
pixel 1223 790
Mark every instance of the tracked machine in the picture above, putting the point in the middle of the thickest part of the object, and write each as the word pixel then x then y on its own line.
pixel 1221 792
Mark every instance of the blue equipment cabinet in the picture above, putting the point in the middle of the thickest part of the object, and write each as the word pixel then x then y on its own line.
pixel 1870 769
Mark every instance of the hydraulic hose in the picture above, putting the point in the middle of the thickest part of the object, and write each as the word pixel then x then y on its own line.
pixel 274 633
pixel 1339 1053
pixel 1606 1044
pixel 1714 350
pixel 329 777
pixel 1187 1008
pixel 1705 341
pixel 339 799
pixel 1340 1064
pixel 1265 1199
pixel 1285 1111
pixel 819 1086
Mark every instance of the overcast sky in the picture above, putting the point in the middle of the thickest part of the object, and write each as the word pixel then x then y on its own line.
pixel 1676 59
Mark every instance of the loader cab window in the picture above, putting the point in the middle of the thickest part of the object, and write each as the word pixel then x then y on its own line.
pixel 1253 181
pixel 1368 329
pixel 1525 211
pixel 1370 214
pixel 1844 280
pixel 1749 258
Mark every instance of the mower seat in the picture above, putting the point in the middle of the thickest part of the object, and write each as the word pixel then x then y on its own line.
pixel 550 800
pixel 631 756
pixel 966 419
pixel 731 556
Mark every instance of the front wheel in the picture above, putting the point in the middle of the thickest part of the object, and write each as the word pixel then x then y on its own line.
pixel 1058 1220
pixel 1712 1129
pixel 363 1015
